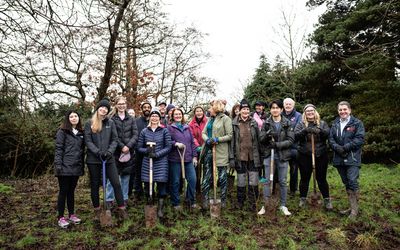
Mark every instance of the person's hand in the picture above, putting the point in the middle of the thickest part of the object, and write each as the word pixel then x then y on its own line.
pixel 309 130
pixel 212 141
pixel 316 130
pixel 272 144
pixel 198 149
pixel 340 150
pixel 125 149
pixel 195 162
pixel 179 145
pixel 151 154
pixel 232 163
pixel 106 155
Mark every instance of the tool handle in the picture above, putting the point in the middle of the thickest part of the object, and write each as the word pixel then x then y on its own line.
pixel 104 181
pixel 214 172
pixel 151 177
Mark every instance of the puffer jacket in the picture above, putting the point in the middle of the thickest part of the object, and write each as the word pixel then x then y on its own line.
pixel 105 140
pixel 304 139
pixel 69 153
pixel 197 130
pixel 183 136
pixel 283 142
pixel 235 143
pixel 163 146
pixel 127 136
pixel 352 140
pixel 222 129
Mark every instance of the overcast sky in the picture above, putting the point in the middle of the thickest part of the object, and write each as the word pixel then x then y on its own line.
pixel 239 32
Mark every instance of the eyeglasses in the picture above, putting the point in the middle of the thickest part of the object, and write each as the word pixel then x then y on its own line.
pixel 121 104
pixel 310 111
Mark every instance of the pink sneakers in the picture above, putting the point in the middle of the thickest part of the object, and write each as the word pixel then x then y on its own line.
pixel 63 223
pixel 74 219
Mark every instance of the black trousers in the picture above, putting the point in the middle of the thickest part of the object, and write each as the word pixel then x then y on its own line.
pixel 67 186
pixel 95 171
pixel 321 166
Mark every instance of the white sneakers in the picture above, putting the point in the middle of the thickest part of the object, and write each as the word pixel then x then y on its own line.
pixel 283 209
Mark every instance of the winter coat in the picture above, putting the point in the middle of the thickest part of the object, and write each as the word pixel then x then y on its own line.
pixel 69 153
pixel 163 146
pixel 141 123
pixel 127 136
pixel 304 139
pixel 197 130
pixel 294 118
pixel 235 143
pixel 183 136
pixel 105 140
pixel 352 140
pixel 284 140
pixel 222 129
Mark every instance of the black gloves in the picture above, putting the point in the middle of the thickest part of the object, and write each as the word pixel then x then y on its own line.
pixel 312 130
pixel 151 152
pixel 105 155
pixel 272 144
pixel 309 130
pixel 340 150
pixel 232 163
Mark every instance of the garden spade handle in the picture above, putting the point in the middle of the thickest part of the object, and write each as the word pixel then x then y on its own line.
pixel 182 156
pixel 271 171
pixel 313 160
pixel 214 172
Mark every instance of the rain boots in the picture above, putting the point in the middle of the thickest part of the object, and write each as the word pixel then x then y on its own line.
pixel 253 196
pixel 241 197
pixel 205 203
pixel 160 210
pixel 328 204
pixel 353 197
pixel 303 201
pixel 121 212
pixel 97 213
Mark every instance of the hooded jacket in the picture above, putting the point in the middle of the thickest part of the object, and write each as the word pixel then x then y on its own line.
pixel 69 153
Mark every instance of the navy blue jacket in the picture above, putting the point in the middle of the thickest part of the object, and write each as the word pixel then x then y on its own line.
pixel 352 140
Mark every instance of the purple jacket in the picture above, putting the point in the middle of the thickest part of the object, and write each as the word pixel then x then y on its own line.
pixel 183 136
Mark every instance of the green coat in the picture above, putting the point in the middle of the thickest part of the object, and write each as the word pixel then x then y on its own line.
pixel 222 128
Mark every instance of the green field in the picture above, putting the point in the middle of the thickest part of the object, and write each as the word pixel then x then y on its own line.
pixel 28 220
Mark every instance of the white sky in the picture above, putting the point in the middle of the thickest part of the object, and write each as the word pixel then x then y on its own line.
pixel 238 33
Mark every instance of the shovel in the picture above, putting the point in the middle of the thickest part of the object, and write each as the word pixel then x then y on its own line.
pixel 150 211
pixel 105 215
pixel 182 156
pixel 315 197
pixel 215 204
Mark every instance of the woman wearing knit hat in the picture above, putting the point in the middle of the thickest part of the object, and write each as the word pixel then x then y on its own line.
pixel 155 133
pixel 312 125
pixel 101 140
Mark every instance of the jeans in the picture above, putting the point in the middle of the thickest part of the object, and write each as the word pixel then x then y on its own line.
pixel 282 168
pixel 321 166
pixel 67 186
pixel 175 173
pixel 349 175
pixel 161 189
pixel 124 180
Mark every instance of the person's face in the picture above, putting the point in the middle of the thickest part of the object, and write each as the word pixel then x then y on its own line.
pixel 102 111
pixel 259 108
pixel 310 114
pixel 199 113
pixel 162 107
pixel 177 116
pixel 73 119
pixel 237 111
pixel 154 119
pixel 245 113
pixel 344 111
pixel 121 106
pixel 131 112
pixel 170 113
pixel 146 108
pixel 211 111
pixel 275 110
pixel 288 106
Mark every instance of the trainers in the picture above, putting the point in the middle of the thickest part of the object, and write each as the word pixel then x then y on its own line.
pixel 194 206
pixel 302 202
pixel 178 208
pixel 285 210
pixel 262 180
pixel 74 219
pixel 262 211
pixel 63 223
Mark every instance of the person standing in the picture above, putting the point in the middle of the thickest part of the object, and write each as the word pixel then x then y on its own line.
pixel 346 138
pixel 163 111
pixel 155 133
pixel 259 115
pixel 217 133
pixel 294 117
pixel 135 182
pixel 183 142
pixel 246 155
pixel 101 140
pixel 312 125
pixel 124 154
pixel 68 163
pixel 277 133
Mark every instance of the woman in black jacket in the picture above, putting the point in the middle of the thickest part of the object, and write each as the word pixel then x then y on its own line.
pixel 312 125
pixel 101 140
pixel 68 163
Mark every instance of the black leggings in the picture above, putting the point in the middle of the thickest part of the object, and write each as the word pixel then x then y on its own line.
pixel 67 186
pixel 95 171
pixel 321 166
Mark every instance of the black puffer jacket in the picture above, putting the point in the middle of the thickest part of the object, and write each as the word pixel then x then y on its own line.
pixel 304 138
pixel 69 153
pixel 106 140
pixel 127 136
pixel 284 140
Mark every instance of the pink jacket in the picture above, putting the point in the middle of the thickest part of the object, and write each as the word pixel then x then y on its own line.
pixel 197 130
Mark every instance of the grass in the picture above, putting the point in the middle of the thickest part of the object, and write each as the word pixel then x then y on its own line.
pixel 28 220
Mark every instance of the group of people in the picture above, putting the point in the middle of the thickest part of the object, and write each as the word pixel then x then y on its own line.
pixel 255 144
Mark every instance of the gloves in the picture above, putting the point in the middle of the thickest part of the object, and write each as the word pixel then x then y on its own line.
pixel 179 145
pixel 309 130
pixel 198 149
pixel 340 150
pixel 272 144
pixel 105 155
pixel 316 130
pixel 195 162
pixel 232 163
pixel 212 141
pixel 151 154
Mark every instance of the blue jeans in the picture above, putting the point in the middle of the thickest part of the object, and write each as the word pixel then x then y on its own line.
pixel 282 168
pixel 349 175
pixel 124 180
pixel 175 173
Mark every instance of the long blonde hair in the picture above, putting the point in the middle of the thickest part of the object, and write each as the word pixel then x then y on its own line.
pixel 317 118
pixel 115 110
pixel 97 123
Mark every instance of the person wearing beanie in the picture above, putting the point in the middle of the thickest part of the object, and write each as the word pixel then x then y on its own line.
pixel 259 113
pixel 168 117
pixel 155 133
pixel 311 125
pixel 196 126
pixel 245 156
pixel 162 106
pixel 276 133
pixel 101 139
